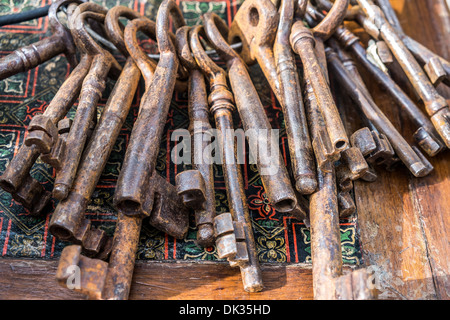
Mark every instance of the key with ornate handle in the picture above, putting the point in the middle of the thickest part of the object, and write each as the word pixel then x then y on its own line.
pixel 235 240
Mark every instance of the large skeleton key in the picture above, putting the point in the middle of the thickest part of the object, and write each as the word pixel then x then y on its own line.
pixel 234 232
pixel 270 165
pixel 324 212
pixel 68 217
pixel 264 34
pixel 91 91
pixel 435 105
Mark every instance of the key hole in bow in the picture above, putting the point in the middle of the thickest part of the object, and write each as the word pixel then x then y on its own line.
pixel 253 16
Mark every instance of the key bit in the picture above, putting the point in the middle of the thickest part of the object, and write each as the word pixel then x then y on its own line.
pixel 197 186
pixel 32 195
pixel 374 146
pixel 230 239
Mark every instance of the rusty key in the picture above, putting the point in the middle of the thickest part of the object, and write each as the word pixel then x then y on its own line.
pixel 435 105
pixel 234 232
pixel 413 159
pixel 43 138
pixel 329 283
pixel 352 164
pixel 325 207
pixel 266 34
pixel 436 67
pixel 258 130
pixel 91 91
pixel 197 186
pixel 69 213
pixel 426 136
pixel 29 57
pixel 132 195
pixel 303 41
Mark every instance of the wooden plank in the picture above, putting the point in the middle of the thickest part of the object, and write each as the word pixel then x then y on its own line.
pixel 35 279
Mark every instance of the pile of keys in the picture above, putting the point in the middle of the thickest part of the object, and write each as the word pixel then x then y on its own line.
pixel 324 161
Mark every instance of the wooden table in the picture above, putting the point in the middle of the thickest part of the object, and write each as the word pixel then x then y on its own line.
pixel 403 223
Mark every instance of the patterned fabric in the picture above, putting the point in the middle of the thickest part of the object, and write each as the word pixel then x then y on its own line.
pixel 279 237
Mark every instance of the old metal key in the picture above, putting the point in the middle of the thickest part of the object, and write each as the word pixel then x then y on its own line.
pixel 270 164
pixel 426 136
pixel 266 33
pixel 234 232
pixel 68 217
pixel 412 158
pixel 436 67
pixel 91 91
pixel 29 57
pixel 303 42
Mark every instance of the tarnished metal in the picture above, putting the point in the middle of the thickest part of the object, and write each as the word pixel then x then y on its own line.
pixel 303 41
pixel 91 91
pixel 133 194
pixel 162 203
pixel 415 162
pixel 234 232
pixel 43 139
pixel 436 67
pixel 267 33
pixel 426 135
pixel 270 165
pixel 352 164
pixel 69 213
pixel 326 5
pixel 197 186
pixel 326 205
pixel 99 279
pixel 29 57
pixel 346 204
pixel 435 105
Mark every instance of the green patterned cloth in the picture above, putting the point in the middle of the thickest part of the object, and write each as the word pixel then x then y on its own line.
pixel 279 237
